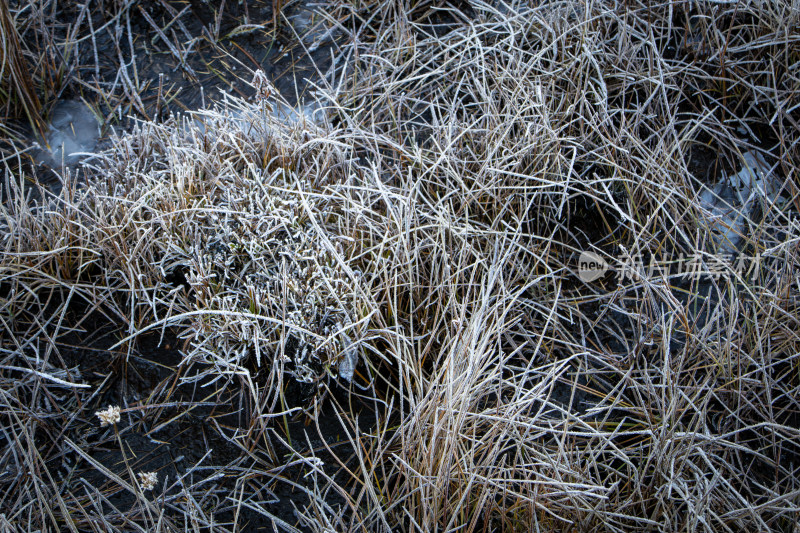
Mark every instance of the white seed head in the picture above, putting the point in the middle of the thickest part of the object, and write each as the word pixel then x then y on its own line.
pixel 148 480
pixel 262 85
pixel 110 416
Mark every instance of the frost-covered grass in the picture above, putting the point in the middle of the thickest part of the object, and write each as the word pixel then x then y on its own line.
pixel 425 239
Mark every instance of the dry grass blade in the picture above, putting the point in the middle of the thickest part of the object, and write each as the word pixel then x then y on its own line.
pixel 18 95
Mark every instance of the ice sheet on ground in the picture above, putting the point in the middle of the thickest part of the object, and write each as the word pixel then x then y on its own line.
pixel 311 28
pixel 347 365
pixel 730 202
pixel 311 113
pixel 73 130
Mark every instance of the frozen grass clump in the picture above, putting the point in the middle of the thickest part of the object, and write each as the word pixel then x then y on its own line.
pixel 226 230
pixel 245 216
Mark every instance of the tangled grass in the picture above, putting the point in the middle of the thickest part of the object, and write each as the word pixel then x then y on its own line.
pixel 18 95
pixel 425 238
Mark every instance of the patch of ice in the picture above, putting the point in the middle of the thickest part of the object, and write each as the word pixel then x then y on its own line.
pixel 73 131
pixel 305 114
pixel 348 363
pixel 347 366
pixel 311 112
pixel 312 29
pixel 730 203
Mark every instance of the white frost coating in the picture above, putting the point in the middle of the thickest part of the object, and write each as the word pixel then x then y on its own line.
pixel 730 203
pixel 73 131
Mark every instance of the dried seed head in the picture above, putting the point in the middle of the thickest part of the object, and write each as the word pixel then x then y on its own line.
pixel 148 480
pixel 109 417
pixel 262 85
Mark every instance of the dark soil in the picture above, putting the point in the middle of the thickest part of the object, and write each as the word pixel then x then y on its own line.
pixel 188 434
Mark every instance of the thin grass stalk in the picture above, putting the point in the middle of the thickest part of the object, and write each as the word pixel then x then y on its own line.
pixel 18 94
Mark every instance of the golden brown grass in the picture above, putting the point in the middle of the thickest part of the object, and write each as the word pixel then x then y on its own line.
pixel 18 95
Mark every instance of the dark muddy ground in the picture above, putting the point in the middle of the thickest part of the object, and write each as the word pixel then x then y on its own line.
pixel 192 435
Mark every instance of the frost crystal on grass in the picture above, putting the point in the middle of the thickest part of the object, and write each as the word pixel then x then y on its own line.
pixel 109 417
pixel 315 463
